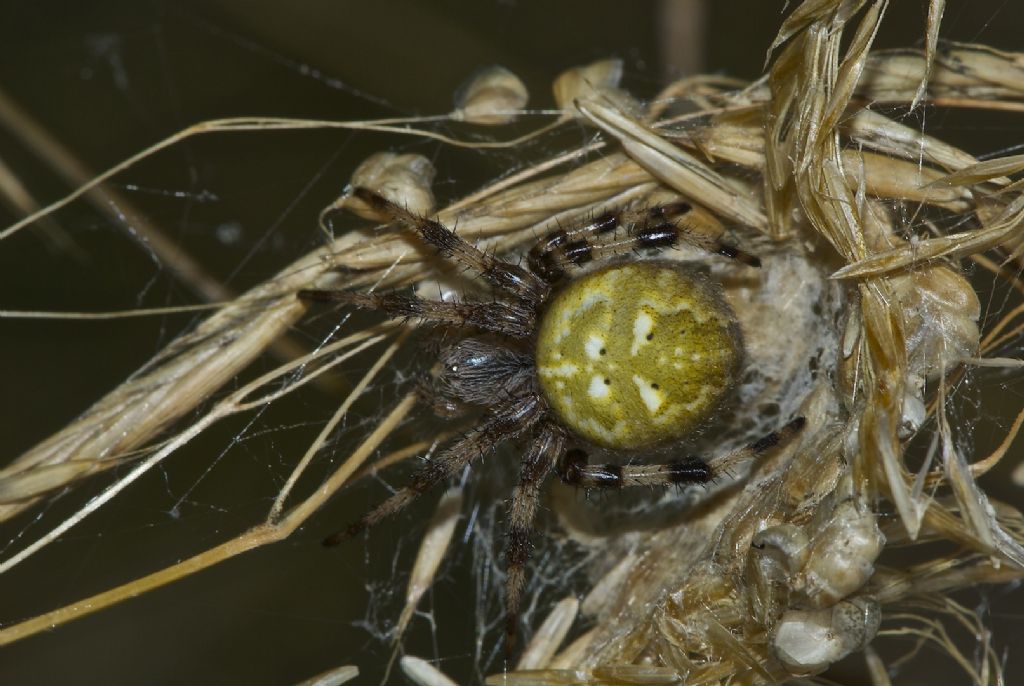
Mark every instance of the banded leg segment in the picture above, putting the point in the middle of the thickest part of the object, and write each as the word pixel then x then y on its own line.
pixel 537 463
pixel 574 469
pixel 515 416
pixel 615 233
pixel 510 278
pixel 508 319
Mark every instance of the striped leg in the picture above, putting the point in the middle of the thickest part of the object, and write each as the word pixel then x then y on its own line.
pixel 510 278
pixel 614 233
pixel 510 420
pixel 537 463
pixel 574 470
pixel 573 467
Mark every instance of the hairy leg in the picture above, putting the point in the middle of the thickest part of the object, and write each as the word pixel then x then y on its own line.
pixel 614 233
pixel 508 319
pixel 573 468
pixel 538 461
pixel 511 418
pixel 510 278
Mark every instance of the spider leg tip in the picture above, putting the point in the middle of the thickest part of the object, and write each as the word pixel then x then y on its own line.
pixel 510 637
pixel 341 536
pixel 739 255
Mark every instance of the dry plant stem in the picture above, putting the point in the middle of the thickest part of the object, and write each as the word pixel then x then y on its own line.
pixel 126 215
pixel 332 677
pixel 415 448
pixel 1002 362
pixel 15 196
pixel 984 666
pixel 156 397
pixel 673 166
pixel 573 654
pixel 236 402
pixel 422 673
pixel 977 104
pixel 580 153
pixel 109 202
pixel 975 509
pixel 877 671
pixel 328 428
pixel 397 126
pixel 1009 225
pixel 892 587
pixel 429 557
pixel 112 314
pixel 1007 277
pixel 549 635
pixel 935 11
pixel 263 534
pixel 962 75
pixel 985 464
pixel 996 337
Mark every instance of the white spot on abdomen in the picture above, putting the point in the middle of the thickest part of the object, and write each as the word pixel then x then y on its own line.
pixel 642 326
pixel 563 370
pixel 594 346
pixel 652 398
pixel 598 389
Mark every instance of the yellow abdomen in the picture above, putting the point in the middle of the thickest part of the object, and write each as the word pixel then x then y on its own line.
pixel 636 354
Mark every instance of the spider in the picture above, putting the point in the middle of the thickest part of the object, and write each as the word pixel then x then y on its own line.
pixel 628 356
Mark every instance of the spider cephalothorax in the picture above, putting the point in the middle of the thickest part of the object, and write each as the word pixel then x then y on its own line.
pixel 630 355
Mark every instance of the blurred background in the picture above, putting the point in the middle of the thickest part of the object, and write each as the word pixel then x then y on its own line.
pixel 89 84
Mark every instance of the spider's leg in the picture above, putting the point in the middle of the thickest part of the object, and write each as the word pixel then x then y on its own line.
pixel 510 278
pixel 614 233
pixel 537 463
pixel 509 420
pixel 509 319
pixel 573 468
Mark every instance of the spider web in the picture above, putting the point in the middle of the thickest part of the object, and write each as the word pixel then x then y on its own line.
pixel 247 204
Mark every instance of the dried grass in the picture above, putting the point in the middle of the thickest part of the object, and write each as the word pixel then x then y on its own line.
pixel 809 175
